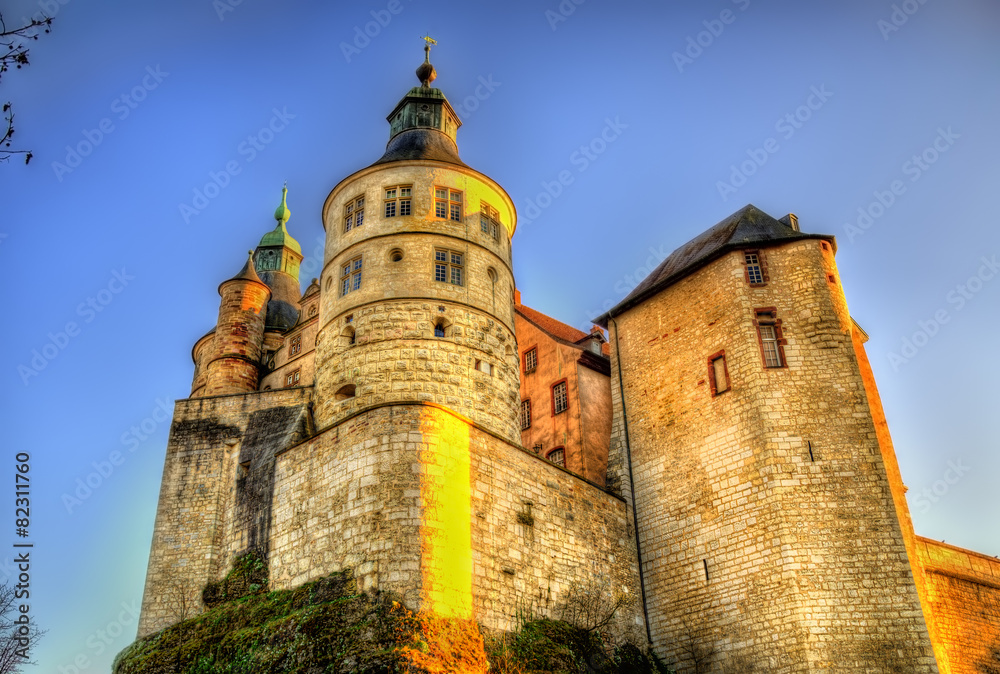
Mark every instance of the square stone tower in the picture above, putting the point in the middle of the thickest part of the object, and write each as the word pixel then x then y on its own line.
pixel 744 441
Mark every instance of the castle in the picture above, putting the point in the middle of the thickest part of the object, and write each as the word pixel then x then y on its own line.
pixel 717 464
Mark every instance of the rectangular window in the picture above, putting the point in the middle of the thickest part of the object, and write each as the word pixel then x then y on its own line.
pixel 718 374
pixel 350 276
pixel 292 378
pixel 448 267
pixel 530 360
pixel 559 402
pixel 557 456
pixel 525 415
pixel 769 335
pixel 756 274
pixel 354 213
pixel 448 203
pixel 397 200
pixel 489 220
pixel 295 346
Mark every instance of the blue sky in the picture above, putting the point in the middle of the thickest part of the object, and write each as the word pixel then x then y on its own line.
pixel 661 118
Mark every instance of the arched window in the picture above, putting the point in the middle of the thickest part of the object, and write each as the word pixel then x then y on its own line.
pixel 557 456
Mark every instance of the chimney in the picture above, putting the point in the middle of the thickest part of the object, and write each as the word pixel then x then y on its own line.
pixel 517 297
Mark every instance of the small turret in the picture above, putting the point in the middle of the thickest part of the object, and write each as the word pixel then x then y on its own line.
pixel 234 358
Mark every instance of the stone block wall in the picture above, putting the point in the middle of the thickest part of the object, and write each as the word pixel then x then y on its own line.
pixel 418 500
pixel 963 590
pixel 767 526
pixel 195 506
pixel 396 357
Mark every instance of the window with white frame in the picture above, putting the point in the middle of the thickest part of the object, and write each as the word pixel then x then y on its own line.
pixel 397 200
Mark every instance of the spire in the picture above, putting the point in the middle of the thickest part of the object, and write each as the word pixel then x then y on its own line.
pixel 426 73
pixel 279 236
pixel 282 214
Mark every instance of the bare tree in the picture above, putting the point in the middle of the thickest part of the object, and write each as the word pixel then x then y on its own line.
pixel 13 52
pixel 592 606
pixel 18 633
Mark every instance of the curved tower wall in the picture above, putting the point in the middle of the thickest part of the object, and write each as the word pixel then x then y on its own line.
pixel 394 355
pixel 239 334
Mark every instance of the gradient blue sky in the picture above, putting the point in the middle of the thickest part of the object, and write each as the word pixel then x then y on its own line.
pixel 555 83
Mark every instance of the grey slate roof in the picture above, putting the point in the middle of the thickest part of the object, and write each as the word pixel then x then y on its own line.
pixel 421 144
pixel 747 227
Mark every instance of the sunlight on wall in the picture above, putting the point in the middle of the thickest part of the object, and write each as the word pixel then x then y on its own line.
pixel 446 529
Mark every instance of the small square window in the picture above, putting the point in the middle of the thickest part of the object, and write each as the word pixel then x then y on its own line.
pixel 292 378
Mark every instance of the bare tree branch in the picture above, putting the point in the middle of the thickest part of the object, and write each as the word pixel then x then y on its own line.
pixel 13 52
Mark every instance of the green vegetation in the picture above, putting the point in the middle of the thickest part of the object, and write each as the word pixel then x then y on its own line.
pixel 327 627
pixel 556 647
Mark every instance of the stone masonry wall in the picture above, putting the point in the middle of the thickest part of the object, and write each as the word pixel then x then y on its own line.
pixel 963 589
pixel 195 504
pixel 755 552
pixel 457 520
pixel 399 299
pixel 396 357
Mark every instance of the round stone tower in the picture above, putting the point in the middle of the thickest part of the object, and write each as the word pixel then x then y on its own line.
pixel 418 288
pixel 234 355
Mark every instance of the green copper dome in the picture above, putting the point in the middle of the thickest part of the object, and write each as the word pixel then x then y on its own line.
pixel 279 236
